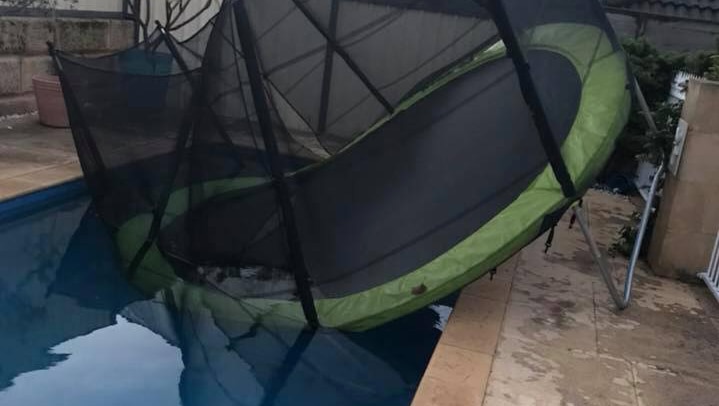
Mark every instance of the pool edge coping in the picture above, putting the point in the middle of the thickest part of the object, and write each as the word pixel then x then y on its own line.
pixel 469 342
pixel 31 200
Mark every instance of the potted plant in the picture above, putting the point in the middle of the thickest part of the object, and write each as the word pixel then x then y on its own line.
pixel 48 93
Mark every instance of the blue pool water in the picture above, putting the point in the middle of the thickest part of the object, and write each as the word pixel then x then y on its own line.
pixel 73 332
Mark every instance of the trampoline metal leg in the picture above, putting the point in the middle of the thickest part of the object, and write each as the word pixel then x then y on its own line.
pixel 623 299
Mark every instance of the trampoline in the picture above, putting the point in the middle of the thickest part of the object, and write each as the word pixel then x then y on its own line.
pixel 342 163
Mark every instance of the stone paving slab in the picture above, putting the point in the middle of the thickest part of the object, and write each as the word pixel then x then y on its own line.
pixel 562 342
pixel 455 377
pixel 33 157
pixel 525 373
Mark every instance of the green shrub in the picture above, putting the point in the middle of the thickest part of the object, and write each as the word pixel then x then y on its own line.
pixel 712 72
pixel 655 71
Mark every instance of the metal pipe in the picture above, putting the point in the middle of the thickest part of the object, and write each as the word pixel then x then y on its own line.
pixel 184 134
pixel 621 300
pixel 604 268
pixel 328 69
pixel 711 275
pixel 332 42
pixel 644 107
pixel 640 234
pixel 297 261
pixel 95 170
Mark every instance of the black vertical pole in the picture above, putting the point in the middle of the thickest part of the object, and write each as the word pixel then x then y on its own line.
pixel 327 74
pixel 77 119
pixel 601 14
pixel 185 133
pixel 531 97
pixel 176 54
pixel 136 8
pixel 331 41
pixel 297 261
pixel 289 363
pixel 161 206
pixel 214 119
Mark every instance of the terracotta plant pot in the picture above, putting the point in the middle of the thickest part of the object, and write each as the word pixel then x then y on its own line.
pixel 50 101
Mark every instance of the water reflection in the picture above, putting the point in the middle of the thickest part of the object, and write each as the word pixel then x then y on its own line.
pixel 72 331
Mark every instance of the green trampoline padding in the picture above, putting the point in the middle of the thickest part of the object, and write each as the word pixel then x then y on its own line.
pixel 603 111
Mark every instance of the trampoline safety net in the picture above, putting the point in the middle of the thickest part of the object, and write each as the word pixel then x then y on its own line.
pixel 309 150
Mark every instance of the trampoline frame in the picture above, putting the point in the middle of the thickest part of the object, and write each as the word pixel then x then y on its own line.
pixel 623 300
pixel 557 167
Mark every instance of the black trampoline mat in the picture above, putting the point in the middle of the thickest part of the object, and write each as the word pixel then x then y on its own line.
pixel 396 200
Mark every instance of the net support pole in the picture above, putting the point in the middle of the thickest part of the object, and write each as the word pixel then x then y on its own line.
pixel 215 121
pixel 297 261
pixel 621 299
pixel 159 211
pixel 332 42
pixel 288 366
pixel 78 120
pixel 531 97
pixel 328 69
pixel 185 133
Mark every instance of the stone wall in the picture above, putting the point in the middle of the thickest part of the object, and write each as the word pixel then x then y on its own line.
pixel 688 218
pixel 23 52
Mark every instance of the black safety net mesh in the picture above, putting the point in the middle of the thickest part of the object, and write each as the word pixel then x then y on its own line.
pixel 242 228
pixel 126 144
pixel 311 105
pixel 127 110
pixel 151 57
pixel 345 64
pixel 534 21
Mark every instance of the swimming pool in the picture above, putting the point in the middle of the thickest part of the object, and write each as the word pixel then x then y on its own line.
pixel 73 332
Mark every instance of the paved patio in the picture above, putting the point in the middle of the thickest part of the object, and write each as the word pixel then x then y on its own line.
pixel 33 157
pixel 545 332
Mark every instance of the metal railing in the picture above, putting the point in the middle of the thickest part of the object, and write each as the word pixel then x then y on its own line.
pixel 711 276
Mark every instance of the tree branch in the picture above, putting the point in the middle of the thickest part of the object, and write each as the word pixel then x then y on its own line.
pixel 168 11
pixel 136 15
pixel 193 17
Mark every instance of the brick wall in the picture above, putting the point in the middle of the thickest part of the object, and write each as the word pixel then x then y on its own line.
pixel 23 52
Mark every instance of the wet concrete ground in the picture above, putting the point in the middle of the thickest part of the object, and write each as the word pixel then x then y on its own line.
pixel 560 340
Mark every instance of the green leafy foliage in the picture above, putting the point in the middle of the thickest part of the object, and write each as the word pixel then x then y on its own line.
pixel 638 142
pixel 655 71
pixel 624 242
pixel 712 72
